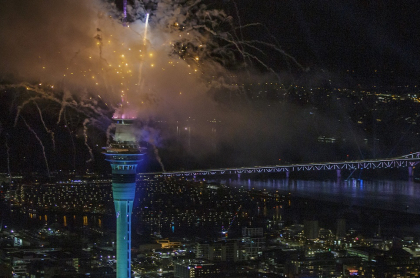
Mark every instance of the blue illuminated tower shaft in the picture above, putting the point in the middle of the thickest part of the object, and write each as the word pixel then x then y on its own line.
pixel 124 156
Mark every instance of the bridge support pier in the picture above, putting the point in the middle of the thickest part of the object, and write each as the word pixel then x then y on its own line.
pixel 287 174
pixel 239 176
pixel 410 172
pixel 338 173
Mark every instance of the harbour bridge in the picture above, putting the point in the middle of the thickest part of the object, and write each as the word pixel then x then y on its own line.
pixel 408 161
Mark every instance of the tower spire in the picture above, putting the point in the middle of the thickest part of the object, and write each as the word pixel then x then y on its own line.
pixel 124 154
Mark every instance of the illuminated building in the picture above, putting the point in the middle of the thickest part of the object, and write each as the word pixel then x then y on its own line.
pixel 166 243
pixel 195 268
pixel 124 155
pixel 253 241
pixel 225 251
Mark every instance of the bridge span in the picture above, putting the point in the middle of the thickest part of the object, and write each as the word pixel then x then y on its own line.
pixel 406 161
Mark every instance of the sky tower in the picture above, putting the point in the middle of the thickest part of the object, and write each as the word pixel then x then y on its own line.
pixel 124 154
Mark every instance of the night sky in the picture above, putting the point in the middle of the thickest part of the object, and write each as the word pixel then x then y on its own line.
pixel 360 36
pixel 352 42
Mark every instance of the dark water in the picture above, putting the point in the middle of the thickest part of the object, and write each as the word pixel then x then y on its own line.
pixel 20 218
pixel 393 195
pixel 391 206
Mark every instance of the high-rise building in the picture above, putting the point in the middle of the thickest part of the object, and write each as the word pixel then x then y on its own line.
pixel 253 241
pixel 225 251
pixel 341 228
pixel 311 229
pixel 124 155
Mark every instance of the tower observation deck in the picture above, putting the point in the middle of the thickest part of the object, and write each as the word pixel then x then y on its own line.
pixel 124 154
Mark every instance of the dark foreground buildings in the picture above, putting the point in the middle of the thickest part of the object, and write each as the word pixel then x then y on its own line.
pixel 187 228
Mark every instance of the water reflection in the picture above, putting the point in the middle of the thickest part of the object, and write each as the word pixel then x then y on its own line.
pixel 384 194
pixel 66 220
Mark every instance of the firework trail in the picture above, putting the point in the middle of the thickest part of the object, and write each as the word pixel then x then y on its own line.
pixel 156 152
pixel 45 126
pixel 140 82
pixel 98 37
pixel 30 88
pixel 240 26
pixel 108 133
pixel 72 141
pixel 63 107
pixel 145 28
pixel 125 12
pixel 191 46
pixel 40 142
pixel 85 122
pixel 151 136
pixel 85 107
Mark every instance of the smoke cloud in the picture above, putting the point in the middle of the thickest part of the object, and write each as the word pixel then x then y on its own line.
pixel 186 66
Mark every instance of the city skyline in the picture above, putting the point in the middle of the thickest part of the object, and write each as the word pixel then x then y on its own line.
pixel 226 225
